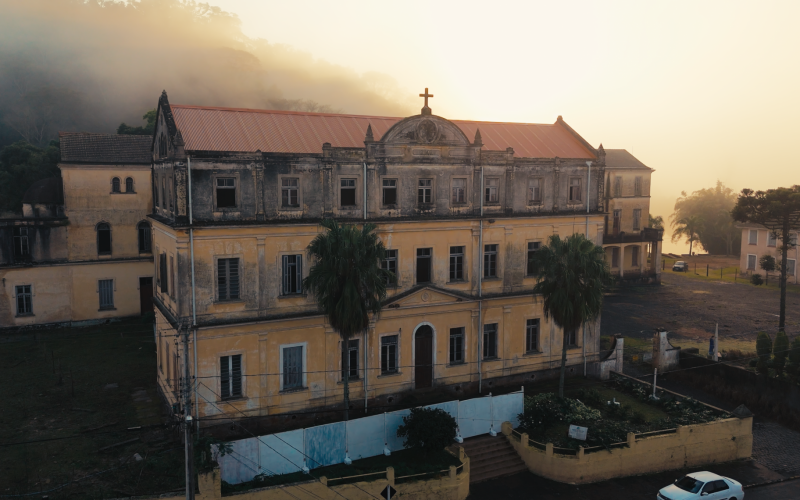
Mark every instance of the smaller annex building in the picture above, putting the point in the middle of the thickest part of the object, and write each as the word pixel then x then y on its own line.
pixel 81 250
pixel 758 241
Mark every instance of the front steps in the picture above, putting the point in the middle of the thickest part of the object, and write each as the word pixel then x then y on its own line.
pixel 491 457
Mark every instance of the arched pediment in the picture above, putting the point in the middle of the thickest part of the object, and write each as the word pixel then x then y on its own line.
pixel 425 130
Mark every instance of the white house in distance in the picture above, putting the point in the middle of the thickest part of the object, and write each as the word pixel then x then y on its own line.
pixel 757 241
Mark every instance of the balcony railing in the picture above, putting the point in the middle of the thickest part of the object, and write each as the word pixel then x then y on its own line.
pixel 647 234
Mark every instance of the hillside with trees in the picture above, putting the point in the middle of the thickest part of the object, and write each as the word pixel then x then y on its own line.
pixel 704 217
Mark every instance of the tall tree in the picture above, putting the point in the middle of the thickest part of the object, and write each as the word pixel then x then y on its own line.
pixel 147 129
pixel 347 281
pixel 22 164
pixel 656 222
pixel 572 275
pixel 778 210
pixel 688 228
pixel 718 234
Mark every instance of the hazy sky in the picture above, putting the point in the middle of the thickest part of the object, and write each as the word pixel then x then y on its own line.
pixel 699 91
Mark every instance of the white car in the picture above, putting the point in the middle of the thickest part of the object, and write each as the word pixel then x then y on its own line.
pixel 702 485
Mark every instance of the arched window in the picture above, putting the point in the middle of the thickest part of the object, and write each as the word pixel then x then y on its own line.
pixel 144 237
pixel 115 185
pixel 129 185
pixel 103 239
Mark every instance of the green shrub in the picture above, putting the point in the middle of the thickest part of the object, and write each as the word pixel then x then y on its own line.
pixel 764 352
pixel 780 350
pixel 430 429
pixel 543 411
pixel 752 363
pixel 591 397
pixel 756 279
pixel 794 356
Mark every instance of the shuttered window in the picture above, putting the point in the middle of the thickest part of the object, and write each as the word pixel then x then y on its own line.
pixel 24 300
pixel 228 279
pixel 292 367
pixel 231 376
pixel 144 237
pixel 292 274
pixel 456 263
pixel 490 261
pixel 106 290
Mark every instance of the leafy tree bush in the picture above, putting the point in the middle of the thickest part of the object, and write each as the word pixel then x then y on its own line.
pixel 756 279
pixel 430 429
pixel 779 351
pixel 148 129
pixel 768 264
pixel 764 352
pixel 22 164
pixel 543 411
pixel 794 357
pixel 591 397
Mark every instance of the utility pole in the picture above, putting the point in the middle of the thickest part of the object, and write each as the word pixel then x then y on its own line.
pixel 187 419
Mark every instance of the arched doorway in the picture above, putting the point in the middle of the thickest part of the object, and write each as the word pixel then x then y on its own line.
pixel 423 357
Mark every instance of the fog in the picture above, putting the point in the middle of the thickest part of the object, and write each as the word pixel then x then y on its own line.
pixel 89 65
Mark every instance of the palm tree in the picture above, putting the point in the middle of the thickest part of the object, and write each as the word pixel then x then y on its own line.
pixel 687 227
pixel 347 281
pixel 572 275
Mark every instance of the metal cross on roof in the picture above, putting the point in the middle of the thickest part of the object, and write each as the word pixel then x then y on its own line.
pixel 425 109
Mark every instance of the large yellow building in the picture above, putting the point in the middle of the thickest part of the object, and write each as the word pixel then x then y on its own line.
pixel 81 250
pixel 459 205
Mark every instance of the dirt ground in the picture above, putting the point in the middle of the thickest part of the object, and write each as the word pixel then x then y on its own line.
pixel 689 307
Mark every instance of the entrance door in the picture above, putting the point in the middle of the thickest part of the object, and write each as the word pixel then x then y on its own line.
pixel 423 357
pixel 146 295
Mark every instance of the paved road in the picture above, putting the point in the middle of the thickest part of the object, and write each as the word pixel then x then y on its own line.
pixel 780 491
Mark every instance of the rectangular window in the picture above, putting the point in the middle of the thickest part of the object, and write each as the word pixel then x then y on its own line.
pixel 144 238
pixel 637 219
pixel 490 261
pixel 163 193
pixel 390 264
pixel 348 192
pixel 535 190
pixel 424 265
pixel 793 239
pixel 174 274
pixel 790 267
pixel 490 341
pixel 634 256
pixel 615 257
pixel 425 191
pixel 228 279
pixel 532 335
pixel 456 345
pixel 751 262
pixel 388 354
pixel 490 190
pixel 772 240
pixel 169 192
pixel 289 193
pixel 390 191
pixel 459 191
pixel 292 367
pixel 637 186
pixel 352 353
pixel 106 289
pixel 292 274
pixel 753 239
pixel 163 276
pixel 226 192
pixel 533 246
pixel 575 192
pixel 617 221
pixel 21 247
pixel 155 192
pixel 617 187
pixel 230 376
pixel 572 337
pixel 456 263
pixel 24 300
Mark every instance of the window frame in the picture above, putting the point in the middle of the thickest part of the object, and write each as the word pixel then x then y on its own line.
pixel 144 227
pixel 237 192
pixel 104 226
pixel 572 337
pixel 113 284
pixel 457 333
pixel 385 265
pixel 396 344
pixel 297 192
pixel 533 324
pixel 303 366
pixel 460 260
pixel 772 239
pixel 529 268
pixel 617 186
pixel 116 185
pixel 535 197
pixel 575 190
pixel 163 273
pixel 490 353
pixel 793 267
pixel 637 185
pixel 755 262
pixel 350 350
pixel 22 241
pixel 29 293
pixel 487 191
pixel 425 191
pixel 429 258
pixel 750 239
pixel 129 183
pixel 284 262
pixel 453 199
pixel 356 185
pixel 232 377
pixel 637 219
pixel 240 269
pixel 490 258
pixel 385 188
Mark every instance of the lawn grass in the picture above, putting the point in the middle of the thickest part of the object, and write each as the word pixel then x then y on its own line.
pixel 729 274
pixel 59 413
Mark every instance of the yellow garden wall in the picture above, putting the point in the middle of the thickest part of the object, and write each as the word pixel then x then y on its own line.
pixel 691 446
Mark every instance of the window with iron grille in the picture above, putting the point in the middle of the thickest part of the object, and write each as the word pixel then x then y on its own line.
pixel 615 257
pixel 490 190
pixel 456 345
pixel 292 274
pixel 115 185
pixel 575 192
pixel 103 239
pixel 289 192
pixel 348 192
pixel 425 191
pixel 143 229
pixel 637 186
pixel 459 191
pixel 129 185
pixel 424 265
pixel 21 246
pixel 533 247
pixel 456 263
pixel 388 354
pixel 572 337
pixel 637 219
pixel 106 291
pixel 228 279
pixel 24 300
pixel 490 261
pixel 490 341
pixel 226 192
pixel 390 191
pixel 532 335
pixel 292 367
pixel 617 186
pixel 390 264
pixel 351 353
pixel 230 376
pixel 535 190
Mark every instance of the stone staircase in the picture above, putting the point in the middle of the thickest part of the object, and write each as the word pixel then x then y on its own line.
pixel 491 457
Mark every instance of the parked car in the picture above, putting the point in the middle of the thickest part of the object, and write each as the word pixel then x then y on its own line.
pixel 681 266
pixel 702 485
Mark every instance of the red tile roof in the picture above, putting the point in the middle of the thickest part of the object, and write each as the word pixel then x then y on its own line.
pixel 248 130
